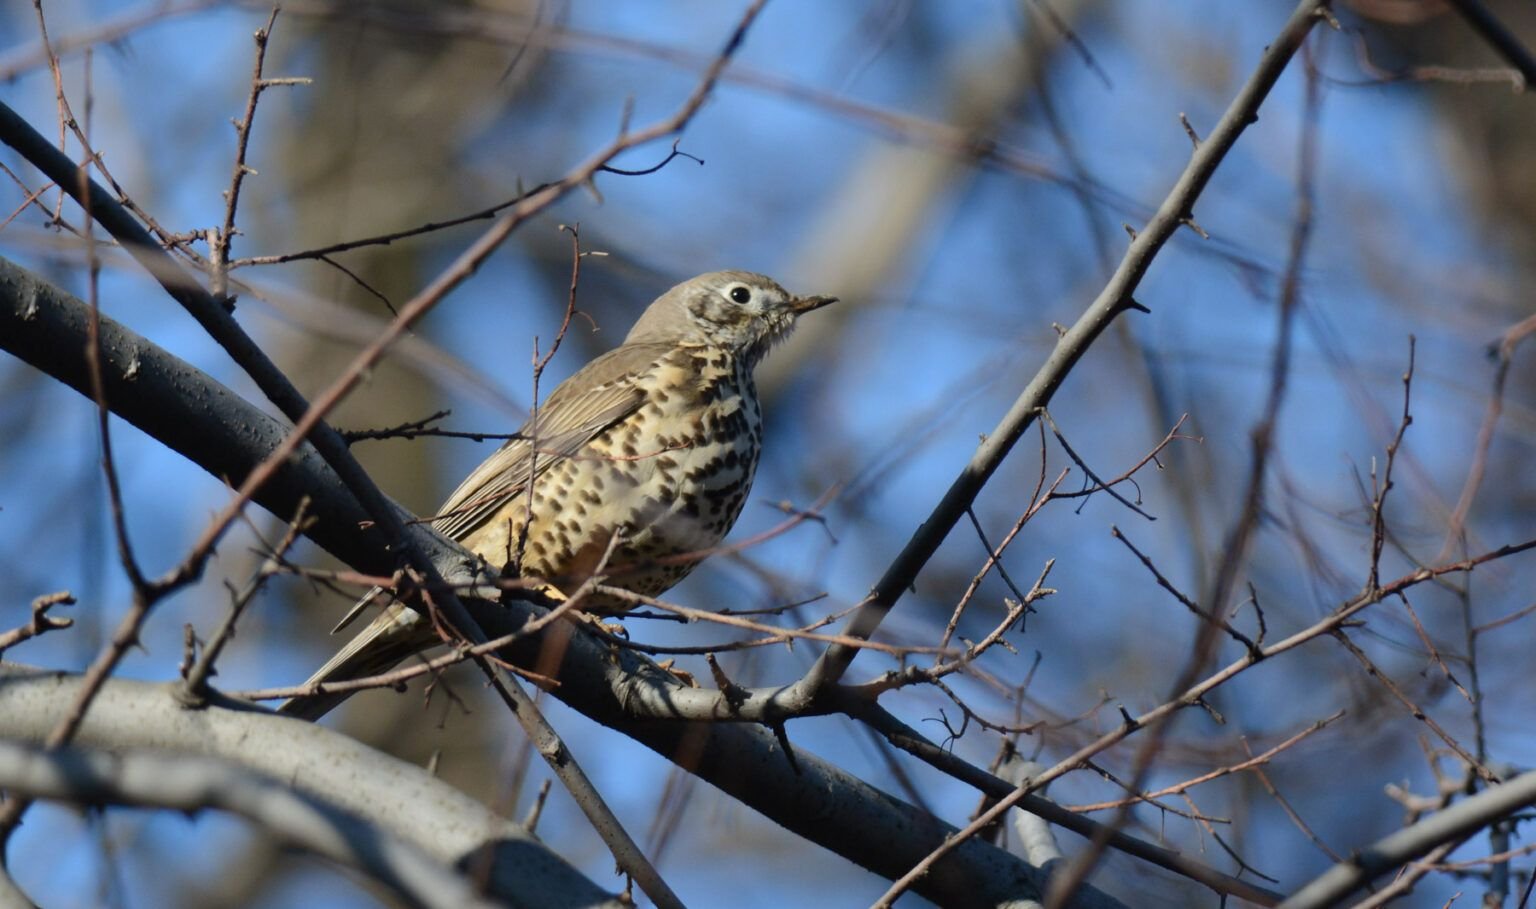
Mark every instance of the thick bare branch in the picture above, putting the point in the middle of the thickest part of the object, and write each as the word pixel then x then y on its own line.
pixel 90 778
pixel 330 775
pixel 1454 823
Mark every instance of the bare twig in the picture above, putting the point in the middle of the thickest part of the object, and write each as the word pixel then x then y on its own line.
pixel 1128 476
pixel 1111 302
pixel 219 240
pixel 909 740
pixel 778 635
pixel 1082 465
pixel 193 690
pixel 1163 582
pixel 42 622
pixel 69 125
pixel 1290 812
pixel 1503 351
pixel 535 810
pixel 1415 710
pixel 995 553
pixel 1451 75
pixel 519 546
pixel 1254 762
pixel 1240 537
pixel 1498 36
pixel 1197 693
pixel 1384 485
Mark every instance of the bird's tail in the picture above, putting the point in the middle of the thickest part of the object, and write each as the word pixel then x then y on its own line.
pixel 394 634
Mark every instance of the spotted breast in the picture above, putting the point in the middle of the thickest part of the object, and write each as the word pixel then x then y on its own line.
pixel 668 481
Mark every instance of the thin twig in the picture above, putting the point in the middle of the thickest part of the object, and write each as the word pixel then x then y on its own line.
pixel 1384 486
pixel 1082 465
pixel 1504 352
pixel 1179 595
pixel 1498 36
pixel 220 240
pixel 909 740
pixel 41 622
pixel 194 690
pixel 1418 712
pixel 1116 298
pixel 1240 537
pixel 1197 693
pixel 1252 763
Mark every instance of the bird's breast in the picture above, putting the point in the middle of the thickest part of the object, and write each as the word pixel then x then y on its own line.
pixel 670 480
pixel 709 435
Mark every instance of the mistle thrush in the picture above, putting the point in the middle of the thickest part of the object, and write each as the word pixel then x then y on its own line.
pixel 655 442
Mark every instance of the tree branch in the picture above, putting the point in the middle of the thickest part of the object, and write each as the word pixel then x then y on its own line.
pixel 331 793
pixel 1115 298
pixel 90 778
pixel 1498 36
pixel 1454 823
pixel 188 411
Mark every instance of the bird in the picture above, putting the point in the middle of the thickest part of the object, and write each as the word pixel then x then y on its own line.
pixel 634 467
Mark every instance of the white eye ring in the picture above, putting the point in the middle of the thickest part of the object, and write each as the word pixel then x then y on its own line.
pixel 739 293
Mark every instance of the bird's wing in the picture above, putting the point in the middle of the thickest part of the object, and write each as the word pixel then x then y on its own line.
pixel 599 395
pixel 602 393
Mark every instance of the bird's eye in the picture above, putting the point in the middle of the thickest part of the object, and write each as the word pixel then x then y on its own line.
pixel 740 294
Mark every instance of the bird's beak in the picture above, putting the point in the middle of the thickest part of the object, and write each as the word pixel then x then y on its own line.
pixel 806 304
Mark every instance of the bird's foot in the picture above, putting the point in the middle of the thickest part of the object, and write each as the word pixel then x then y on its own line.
pixel 577 614
pixel 593 621
pixel 548 591
pixel 682 675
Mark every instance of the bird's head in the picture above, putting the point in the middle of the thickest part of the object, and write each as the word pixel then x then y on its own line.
pixel 739 311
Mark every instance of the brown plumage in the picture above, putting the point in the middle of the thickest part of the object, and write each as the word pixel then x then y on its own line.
pixel 655 441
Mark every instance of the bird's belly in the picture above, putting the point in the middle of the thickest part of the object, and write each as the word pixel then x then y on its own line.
pixel 695 503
